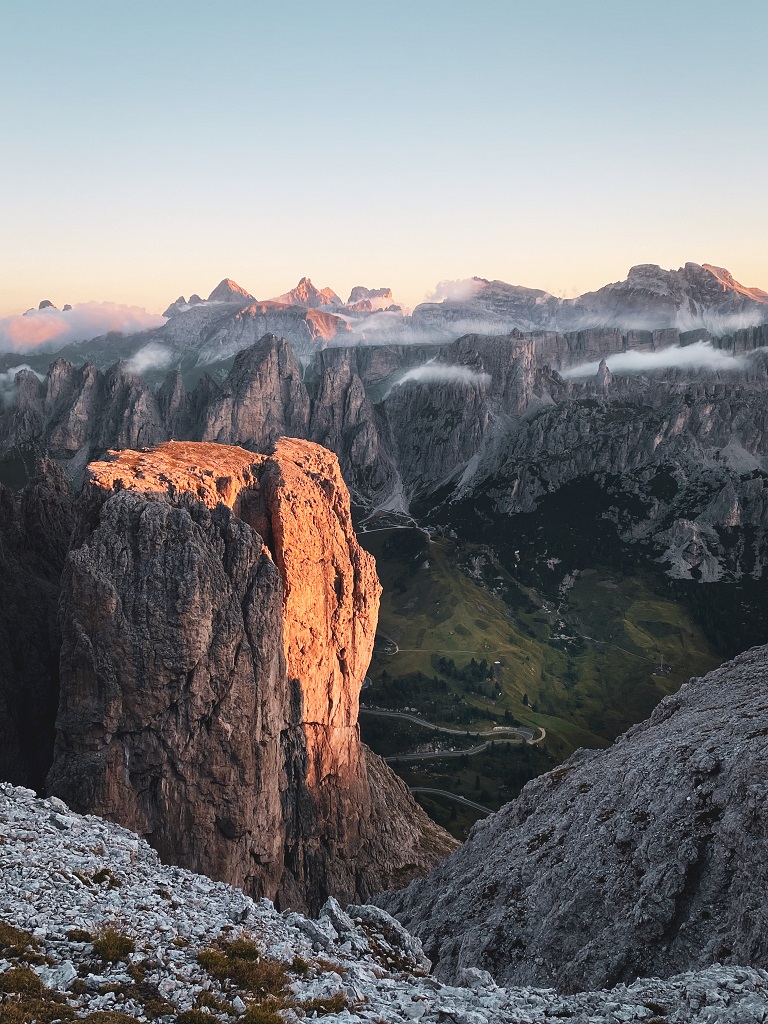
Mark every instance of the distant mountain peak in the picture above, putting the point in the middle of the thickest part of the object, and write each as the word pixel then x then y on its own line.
pixel 359 292
pixel 307 295
pixel 227 291
pixel 729 282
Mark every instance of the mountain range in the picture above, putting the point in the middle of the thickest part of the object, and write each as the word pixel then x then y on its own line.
pixel 187 615
pixel 205 334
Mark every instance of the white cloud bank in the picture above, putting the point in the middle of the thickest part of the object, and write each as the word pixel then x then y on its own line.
pixel 456 291
pixel 442 373
pixel 701 355
pixel 54 328
pixel 152 357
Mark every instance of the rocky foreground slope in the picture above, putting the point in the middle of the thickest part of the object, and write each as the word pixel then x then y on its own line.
pixel 648 858
pixel 93 927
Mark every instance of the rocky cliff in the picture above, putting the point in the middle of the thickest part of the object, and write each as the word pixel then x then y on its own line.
pixel 217 619
pixel 482 418
pixel 684 458
pixel 637 860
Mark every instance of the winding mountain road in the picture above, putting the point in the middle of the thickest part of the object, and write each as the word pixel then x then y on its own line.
pixel 452 753
pixel 451 796
pixel 525 733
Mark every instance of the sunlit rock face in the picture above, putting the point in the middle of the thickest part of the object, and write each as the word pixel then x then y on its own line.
pixel 217 619
pixel 366 300
pixel 307 295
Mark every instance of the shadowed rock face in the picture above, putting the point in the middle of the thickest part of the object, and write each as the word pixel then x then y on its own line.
pixel 35 526
pixel 638 860
pixel 218 617
pixel 262 399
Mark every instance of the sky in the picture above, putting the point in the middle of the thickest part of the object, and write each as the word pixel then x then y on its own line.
pixel 152 148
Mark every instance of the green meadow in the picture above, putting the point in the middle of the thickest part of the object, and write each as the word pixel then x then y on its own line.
pixel 582 657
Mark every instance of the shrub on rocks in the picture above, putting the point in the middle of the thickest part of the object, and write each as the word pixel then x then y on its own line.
pixel 111 945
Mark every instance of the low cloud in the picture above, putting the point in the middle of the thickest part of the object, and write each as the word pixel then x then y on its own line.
pixel 719 324
pixel 382 321
pixel 456 291
pixel 699 356
pixel 442 373
pixel 392 328
pixel 54 328
pixel 152 357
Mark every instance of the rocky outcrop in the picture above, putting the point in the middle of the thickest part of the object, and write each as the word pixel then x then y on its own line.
pixel 693 297
pixel 367 300
pixel 306 329
pixel 218 617
pixel 642 859
pixel 345 421
pixel 686 458
pixel 35 528
pixel 63 874
pixel 262 399
pixel 436 429
pixel 79 411
pixel 746 340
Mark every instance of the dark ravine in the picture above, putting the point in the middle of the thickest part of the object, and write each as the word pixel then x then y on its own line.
pixel 644 859
pixel 35 527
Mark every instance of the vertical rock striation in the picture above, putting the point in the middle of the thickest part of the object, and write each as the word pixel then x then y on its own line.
pixel 218 617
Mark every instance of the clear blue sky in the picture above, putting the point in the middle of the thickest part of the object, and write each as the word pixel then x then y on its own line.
pixel 150 148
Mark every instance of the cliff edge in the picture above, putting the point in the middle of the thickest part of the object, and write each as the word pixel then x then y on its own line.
pixel 217 619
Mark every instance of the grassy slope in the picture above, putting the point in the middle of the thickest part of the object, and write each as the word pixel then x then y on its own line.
pixel 583 692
